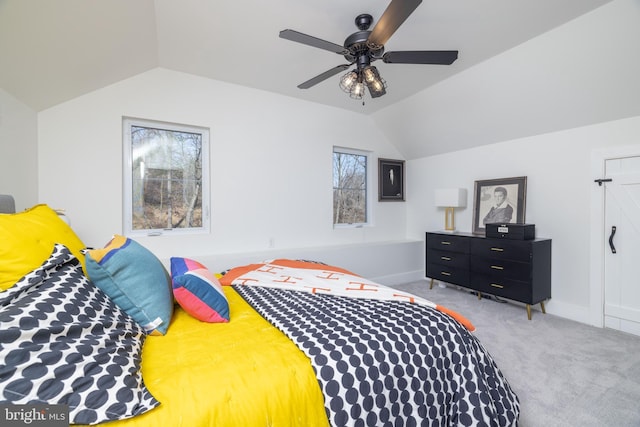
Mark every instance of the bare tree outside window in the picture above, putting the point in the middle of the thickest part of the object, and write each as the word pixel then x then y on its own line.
pixel 167 177
pixel 349 187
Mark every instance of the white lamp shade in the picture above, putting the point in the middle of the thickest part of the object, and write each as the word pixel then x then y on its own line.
pixel 451 197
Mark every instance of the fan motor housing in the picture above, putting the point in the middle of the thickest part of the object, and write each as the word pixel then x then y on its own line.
pixel 357 46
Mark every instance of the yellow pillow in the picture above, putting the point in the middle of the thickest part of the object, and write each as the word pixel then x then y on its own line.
pixel 27 239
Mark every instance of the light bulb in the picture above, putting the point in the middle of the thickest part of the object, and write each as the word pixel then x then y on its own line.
pixel 357 91
pixel 369 75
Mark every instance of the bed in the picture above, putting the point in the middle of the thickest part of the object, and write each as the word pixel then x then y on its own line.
pixel 282 343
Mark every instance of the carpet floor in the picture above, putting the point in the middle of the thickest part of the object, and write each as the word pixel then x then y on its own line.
pixel 565 373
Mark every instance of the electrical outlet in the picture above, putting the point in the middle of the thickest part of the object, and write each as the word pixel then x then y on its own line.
pixel 272 242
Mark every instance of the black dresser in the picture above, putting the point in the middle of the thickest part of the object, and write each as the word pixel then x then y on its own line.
pixel 518 270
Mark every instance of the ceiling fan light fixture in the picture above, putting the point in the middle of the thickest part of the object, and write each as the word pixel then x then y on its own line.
pixel 348 80
pixel 376 84
pixel 355 81
pixel 370 74
pixel 357 90
pixel 377 89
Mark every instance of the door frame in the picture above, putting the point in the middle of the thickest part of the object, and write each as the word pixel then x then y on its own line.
pixel 597 239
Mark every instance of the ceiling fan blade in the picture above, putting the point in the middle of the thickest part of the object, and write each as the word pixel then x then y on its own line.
pixel 321 77
pixel 395 14
pixel 438 57
pixel 296 36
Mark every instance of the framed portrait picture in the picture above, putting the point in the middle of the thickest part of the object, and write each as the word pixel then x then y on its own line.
pixel 500 200
pixel 390 180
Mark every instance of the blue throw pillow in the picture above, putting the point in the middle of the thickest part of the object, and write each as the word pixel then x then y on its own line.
pixel 135 280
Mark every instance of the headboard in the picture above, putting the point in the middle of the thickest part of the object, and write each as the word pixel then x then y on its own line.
pixel 7 204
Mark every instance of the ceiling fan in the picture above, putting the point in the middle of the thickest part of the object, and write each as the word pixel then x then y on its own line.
pixel 363 47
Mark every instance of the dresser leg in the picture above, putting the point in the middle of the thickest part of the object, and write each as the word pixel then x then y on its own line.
pixel 542 307
pixel 529 311
pixel 431 284
pixel 479 295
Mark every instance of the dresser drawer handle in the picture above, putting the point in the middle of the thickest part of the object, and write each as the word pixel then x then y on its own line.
pixel 445 258
pixel 497 267
pixel 497 249
pixel 445 243
pixel 444 273
pixel 495 285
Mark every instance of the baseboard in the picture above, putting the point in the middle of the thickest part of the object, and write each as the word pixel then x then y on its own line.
pixel 557 308
pixel 399 278
pixel 569 311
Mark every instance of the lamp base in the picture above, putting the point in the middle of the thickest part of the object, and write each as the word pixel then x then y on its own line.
pixel 449 220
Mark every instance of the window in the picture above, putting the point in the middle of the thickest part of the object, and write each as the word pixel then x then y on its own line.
pixel 350 187
pixel 166 178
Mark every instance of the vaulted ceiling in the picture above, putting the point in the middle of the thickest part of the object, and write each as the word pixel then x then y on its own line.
pixel 53 51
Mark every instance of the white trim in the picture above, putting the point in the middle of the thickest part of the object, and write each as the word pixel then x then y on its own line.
pixel 579 313
pixel 596 273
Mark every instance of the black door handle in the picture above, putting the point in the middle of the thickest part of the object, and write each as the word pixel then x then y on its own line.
pixel 613 233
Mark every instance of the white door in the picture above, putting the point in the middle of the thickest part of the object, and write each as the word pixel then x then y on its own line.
pixel 622 238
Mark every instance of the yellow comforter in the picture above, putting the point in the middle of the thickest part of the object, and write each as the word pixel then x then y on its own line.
pixel 239 374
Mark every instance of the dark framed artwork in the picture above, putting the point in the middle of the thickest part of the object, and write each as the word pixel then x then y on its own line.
pixel 390 180
pixel 500 200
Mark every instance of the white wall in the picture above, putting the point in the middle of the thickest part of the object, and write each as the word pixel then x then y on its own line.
pixel 389 263
pixel 559 189
pixel 18 151
pixel 271 164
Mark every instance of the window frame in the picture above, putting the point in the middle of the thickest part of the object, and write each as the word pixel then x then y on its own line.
pixel 368 182
pixel 127 202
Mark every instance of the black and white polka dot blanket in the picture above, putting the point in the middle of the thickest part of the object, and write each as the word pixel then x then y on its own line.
pixel 63 341
pixel 390 363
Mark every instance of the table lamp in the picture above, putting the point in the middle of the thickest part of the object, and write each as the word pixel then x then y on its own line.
pixel 449 199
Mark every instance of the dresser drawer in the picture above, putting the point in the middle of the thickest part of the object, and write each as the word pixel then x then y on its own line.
pixel 502 268
pixel 446 242
pixel 449 259
pixel 503 287
pixel 457 276
pixel 502 249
